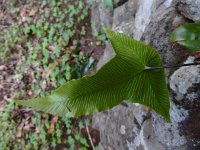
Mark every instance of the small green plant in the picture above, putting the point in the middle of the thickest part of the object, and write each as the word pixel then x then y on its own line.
pixel 8 127
pixel 19 134
pixel 188 36
pixel 48 43
pixel 8 39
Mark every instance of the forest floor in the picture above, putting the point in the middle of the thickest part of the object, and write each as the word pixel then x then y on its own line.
pixel 42 46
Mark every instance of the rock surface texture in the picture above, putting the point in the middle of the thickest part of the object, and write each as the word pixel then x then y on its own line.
pixel 132 126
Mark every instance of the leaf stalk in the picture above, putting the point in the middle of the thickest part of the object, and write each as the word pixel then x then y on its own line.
pixel 169 67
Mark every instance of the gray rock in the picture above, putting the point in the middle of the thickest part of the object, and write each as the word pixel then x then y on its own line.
pixel 107 55
pixel 157 35
pixel 141 113
pixel 168 134
pixel 190 9
pixel 183 79
pixel 178 113
pixel 135 127
pixel 101 17
pixel 118 3
pixel 185 83
pixel 124 17
pixel 116 131
pixel 148 137
pixel 142 17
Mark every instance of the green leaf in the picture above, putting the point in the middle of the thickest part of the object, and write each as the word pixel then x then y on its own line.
pixel 126 77
pixel 188 36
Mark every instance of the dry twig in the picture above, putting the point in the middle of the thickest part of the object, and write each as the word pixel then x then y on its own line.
pixel 90 137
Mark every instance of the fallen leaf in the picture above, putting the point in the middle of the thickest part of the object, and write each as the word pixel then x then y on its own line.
pixel 23 11
pixel 52 126
pixel 2 67
pixel 109 147
pixel 32 12
pixel 46 73
pixel 30 92
pixel 23 144
pixel 81 53
pixel 23 15
pixel 19 130
pixel 196 54
pixel 44 85
pixel 1 105
pixel 1 13
pixel 51 48
pixel 73 47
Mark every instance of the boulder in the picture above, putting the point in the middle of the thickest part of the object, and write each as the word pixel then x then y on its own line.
pixel 185 85
pixel 134 126
pixel 190 9
pixel 100 17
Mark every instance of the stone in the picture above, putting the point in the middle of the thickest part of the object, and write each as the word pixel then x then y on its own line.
pixel 168 133
pixel 178 113
pixel 118 3
pixel 101 16
pixel 185 84
pixel 190 9
pixel 184 78
pixel 148 138
pixel 107 55
pixel 157 35
pixel 178 21
pixel 124 16
pixel 95 17
pixel 134 126
pixel 141 113
pixel 116 131
pixel 142 17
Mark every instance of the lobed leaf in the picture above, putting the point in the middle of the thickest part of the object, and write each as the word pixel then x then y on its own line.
pixel 125 77
pixel 188 36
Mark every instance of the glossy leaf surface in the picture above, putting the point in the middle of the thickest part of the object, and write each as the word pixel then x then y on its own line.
pixel 188 36
pixel 125 77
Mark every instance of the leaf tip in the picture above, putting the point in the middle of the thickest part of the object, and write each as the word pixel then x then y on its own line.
pixel 106 30
pixel 168 118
